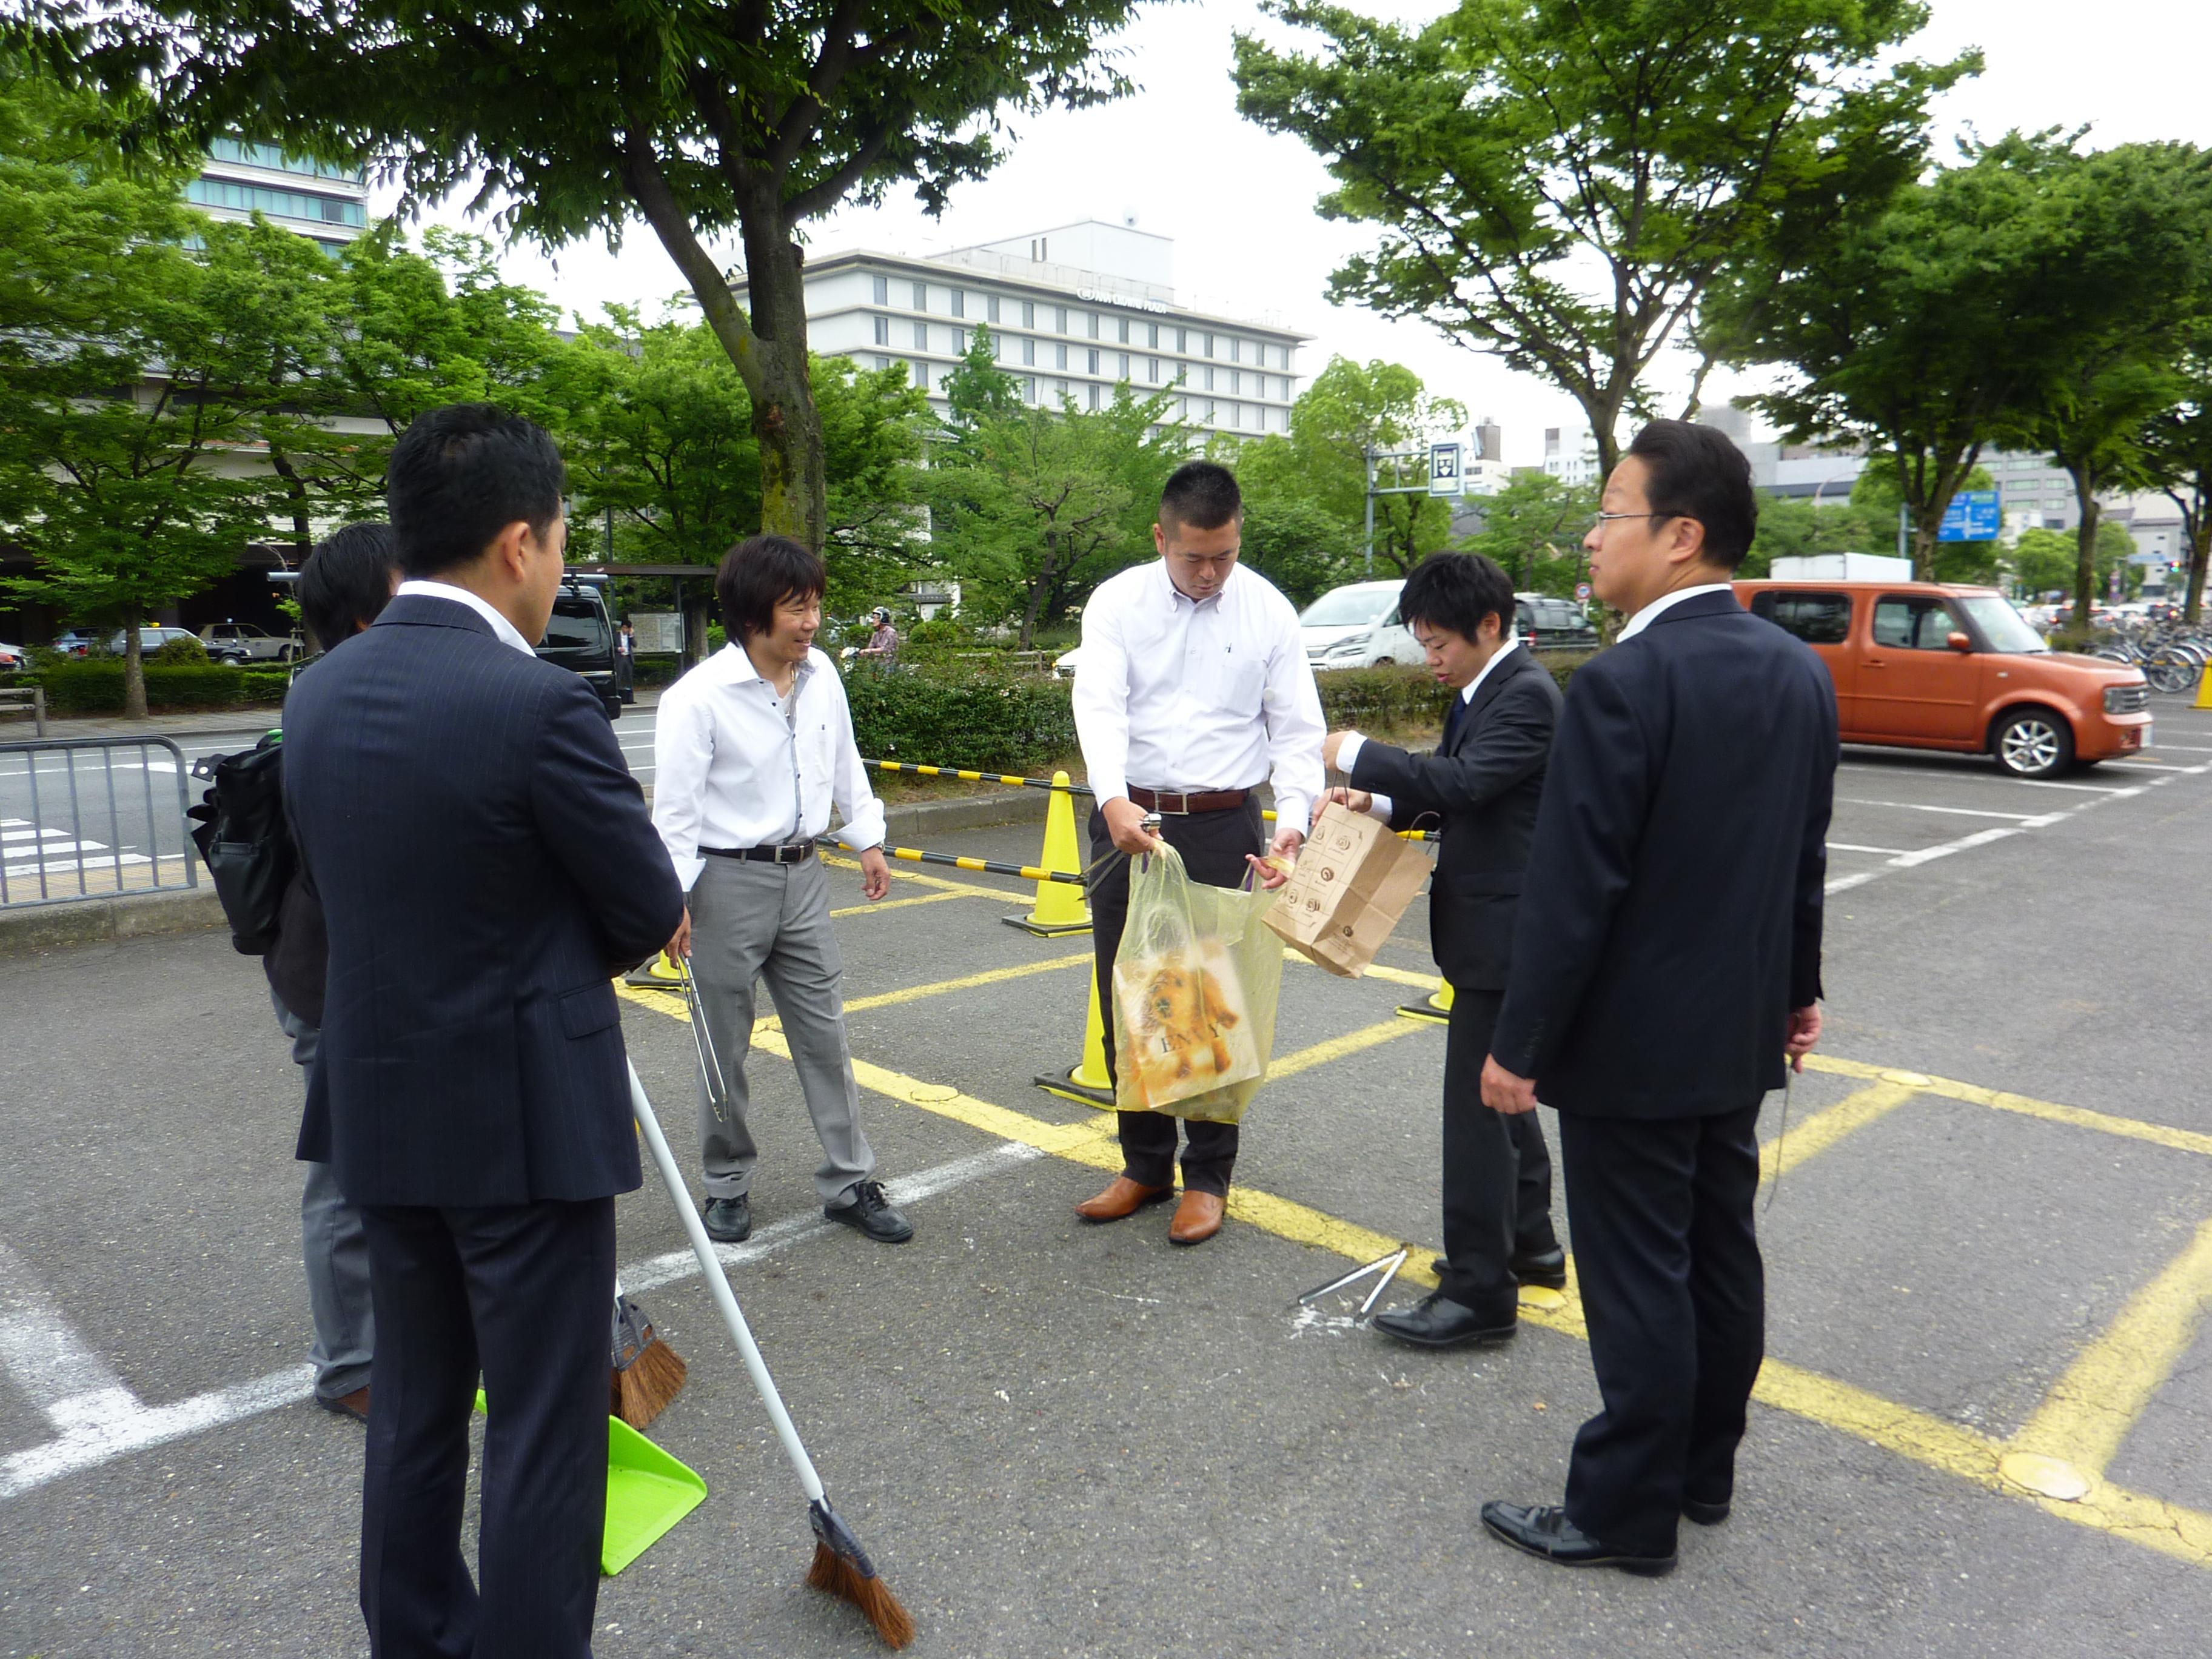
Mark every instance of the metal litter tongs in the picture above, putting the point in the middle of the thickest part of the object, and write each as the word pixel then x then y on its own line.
pixel 1384 1266
pixel 703 1042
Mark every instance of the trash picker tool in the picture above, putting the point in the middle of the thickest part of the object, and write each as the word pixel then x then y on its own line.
pixel 840 1567
pixel 702 1044
pixel 1386 1267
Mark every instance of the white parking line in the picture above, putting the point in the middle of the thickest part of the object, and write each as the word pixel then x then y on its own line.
pixel 1846 846
pixel 1926 854
pixel 96 1419
pixel 2031 820
pixel 2150 766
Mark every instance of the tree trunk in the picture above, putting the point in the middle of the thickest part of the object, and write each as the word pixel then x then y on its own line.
pixel 134 665
pixel 794 483
pixel 2200 550
pixel 1037 597
pixel 303 536
pixel 2085 556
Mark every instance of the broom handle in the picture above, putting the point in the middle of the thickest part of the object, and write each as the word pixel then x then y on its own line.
pixel 718 1285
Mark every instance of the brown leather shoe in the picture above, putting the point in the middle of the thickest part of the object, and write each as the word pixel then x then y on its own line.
pixel 1123 1198
pixel 354 1404
pixel 1197 1218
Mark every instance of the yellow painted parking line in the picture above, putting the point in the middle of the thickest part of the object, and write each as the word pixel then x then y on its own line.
pixel 1352 1043
pixel 2124 1367
pixel 2112 1381
pixel 2131 1128
pixel 868 908
pixel 962 889
pixel 1824 1129
pixel 968 982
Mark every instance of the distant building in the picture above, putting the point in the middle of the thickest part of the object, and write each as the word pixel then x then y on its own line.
pixel 1571 455
pixel 326 204
pixel 1072 312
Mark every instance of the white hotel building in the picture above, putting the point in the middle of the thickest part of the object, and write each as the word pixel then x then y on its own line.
pixel 328 205
pixel 1072 312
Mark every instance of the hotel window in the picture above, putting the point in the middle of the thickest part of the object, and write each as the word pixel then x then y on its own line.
pixel 921 296
pixel 1092 366
pixel 1209 345
pixel 960 343
pixel 1121 327
pixel 1206 418
pixel 882 330
pixel 1060 357
pixel 1029 387
pixel 1182 340
pixel 1236 349
pixel 1058 390
pixel 922 375
pixel 883 363
pixel 1091 319
pixel 883 290
pixel 1237 379
pixel 959 302
pixel 1152 336
pixel 1122 359
pixel 1028 314
pixel 922 336
pixel 1094 394
pixel 1029 352
pixel 1059 320
pixel 1152 370
pixel 998 347
pixel 990 308
pixel 1209 377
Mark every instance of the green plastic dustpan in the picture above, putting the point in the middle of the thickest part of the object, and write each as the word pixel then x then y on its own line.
pixel 648 1491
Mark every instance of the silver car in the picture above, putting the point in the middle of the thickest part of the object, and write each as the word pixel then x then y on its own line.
pixel 240 643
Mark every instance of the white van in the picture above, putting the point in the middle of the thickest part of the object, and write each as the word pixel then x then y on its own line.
pixel 1357 627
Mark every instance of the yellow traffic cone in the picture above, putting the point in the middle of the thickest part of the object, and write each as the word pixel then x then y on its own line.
pixel 658 973
pixel 1437 1007
pixel 1086 1081
pixel 2204 689
pixel 1060 908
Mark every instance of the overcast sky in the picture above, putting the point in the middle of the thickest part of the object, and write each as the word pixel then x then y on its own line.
pixel 1239 202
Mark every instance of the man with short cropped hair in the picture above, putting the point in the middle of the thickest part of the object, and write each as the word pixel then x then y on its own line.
pixel 1194 689
pixel 1666 961
pixel 751 750
pixel 1480 791
pixel 485 865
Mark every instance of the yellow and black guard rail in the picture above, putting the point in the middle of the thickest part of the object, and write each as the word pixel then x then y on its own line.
pixel 954 861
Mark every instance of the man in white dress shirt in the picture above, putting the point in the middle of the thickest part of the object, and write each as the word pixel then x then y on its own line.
pixel 751 750
pixel 1194 689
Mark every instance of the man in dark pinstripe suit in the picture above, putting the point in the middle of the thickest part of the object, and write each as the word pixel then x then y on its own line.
pixel 485 863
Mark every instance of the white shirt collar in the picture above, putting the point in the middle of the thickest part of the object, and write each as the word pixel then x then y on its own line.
pixel 1172 593
pixel 508 632
pixel 1467 695
pixel 1651 612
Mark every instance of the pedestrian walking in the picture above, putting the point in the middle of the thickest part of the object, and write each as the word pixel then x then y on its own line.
pixel 626 661
pixel 1665 959
pixel 751 750
pixel 483 857
pixel 1480 790
pixel 1194 690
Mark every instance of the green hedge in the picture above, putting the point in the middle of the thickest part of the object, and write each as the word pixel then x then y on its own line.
pixel 96 688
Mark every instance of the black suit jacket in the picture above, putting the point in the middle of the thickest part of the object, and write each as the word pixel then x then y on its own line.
pixel 1482 791
pixel 1671 916
pixel 483 856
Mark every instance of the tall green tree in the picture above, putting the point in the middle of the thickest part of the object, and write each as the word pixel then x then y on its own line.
pixel 2177 454
pixel 1352 411
pixel 1533 527
pixel 704 120
pixel 2045 561
pixel 1557 182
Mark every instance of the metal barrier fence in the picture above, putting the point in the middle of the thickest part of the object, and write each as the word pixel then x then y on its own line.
pixel 92 818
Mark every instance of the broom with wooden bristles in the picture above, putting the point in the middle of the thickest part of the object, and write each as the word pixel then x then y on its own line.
pixel 647 1372
pixel 840 1567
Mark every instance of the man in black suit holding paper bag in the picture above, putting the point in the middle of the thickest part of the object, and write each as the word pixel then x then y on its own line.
pixel 1481 789
pixel 1666 967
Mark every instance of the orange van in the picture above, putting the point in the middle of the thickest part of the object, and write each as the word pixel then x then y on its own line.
pixel 1924 666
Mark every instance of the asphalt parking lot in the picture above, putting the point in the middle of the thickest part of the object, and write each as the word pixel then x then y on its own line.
pixel 1989 1251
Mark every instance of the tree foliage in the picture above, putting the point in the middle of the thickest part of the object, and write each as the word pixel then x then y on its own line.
pixel 1533 528
pixel 1557 181
pixel 2177 452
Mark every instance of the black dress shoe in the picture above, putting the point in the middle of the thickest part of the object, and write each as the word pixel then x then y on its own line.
pixel 1705 1514
pixel 872 1214
pixel 1546 1532
pixel 1438 1322
pixel 729 1220
pixel 1545 1268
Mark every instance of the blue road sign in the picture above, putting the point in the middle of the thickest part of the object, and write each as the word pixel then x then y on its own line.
pixel 1973 516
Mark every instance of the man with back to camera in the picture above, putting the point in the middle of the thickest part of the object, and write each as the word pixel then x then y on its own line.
pixel 751 750
pixel 1194 687
pixel 1481 789
pixel 1666 960
pixel 485 863
pixel 344 586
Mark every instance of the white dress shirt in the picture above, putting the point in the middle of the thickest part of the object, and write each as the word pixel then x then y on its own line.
pixel 1189 696
pixel 1651 612
pixel 1348 753
pixel 734 765
pixel 508 632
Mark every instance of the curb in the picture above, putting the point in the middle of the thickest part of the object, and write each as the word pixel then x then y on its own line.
pixel 108 920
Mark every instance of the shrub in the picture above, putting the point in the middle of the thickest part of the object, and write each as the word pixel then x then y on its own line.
pixel 968 717
pixel 1380 701
pixel 182 654
pixel 265 685
pixel 96 688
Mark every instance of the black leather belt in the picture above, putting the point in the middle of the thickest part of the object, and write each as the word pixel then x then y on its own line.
pixel 795 852
pixel 1182 804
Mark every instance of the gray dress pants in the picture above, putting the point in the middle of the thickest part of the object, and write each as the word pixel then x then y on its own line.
pixel 335 1254
pixel 751 921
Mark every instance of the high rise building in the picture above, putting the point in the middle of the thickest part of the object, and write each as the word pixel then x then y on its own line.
pixel 328 205
pixel 1073 312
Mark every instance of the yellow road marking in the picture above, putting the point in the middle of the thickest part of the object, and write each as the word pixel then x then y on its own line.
pixel 2112 1381
pixel 869 909
pixel 1376 970
pixel 2158 1135
pixel 1824 1129
pixel 966 888
pixel 1352 1043
pixel 944 986
pixel 2128 1363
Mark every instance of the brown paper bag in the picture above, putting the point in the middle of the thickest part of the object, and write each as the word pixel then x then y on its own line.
pixel 1354 879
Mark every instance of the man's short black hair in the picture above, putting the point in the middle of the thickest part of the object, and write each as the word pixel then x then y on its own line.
pixel 1696 472
pixel 346 582
pixel 1200 495
pixel 1456 591
pixel 461 475
pixel 759 574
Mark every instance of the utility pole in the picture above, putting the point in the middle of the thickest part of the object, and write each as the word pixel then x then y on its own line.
pixel 1370 454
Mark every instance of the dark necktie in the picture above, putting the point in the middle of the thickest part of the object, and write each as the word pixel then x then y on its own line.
pixel 1453 721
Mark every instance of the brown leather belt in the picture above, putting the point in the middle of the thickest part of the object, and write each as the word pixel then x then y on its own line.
pixel 1165 800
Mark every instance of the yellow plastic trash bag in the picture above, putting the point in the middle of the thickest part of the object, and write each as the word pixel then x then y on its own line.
pixel 1196 981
